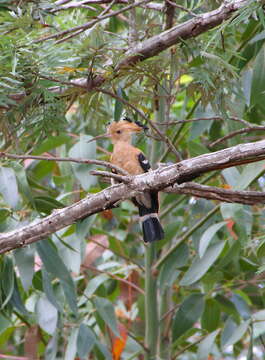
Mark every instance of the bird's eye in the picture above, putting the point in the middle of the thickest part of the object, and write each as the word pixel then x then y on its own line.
pixel 118 131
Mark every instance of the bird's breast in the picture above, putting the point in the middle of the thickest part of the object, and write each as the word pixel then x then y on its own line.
pixel 126 157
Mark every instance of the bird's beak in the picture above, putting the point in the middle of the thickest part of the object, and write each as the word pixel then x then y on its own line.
pixel 99 137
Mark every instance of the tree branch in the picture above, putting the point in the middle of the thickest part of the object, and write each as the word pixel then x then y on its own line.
pixel 159 179
pixel 62 159
pixel 220 194
pixel 237 132
pixel 154 45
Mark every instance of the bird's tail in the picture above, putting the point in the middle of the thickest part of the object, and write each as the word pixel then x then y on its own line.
pixel 152 229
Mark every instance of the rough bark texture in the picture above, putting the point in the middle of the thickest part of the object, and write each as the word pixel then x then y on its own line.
pixel 159 179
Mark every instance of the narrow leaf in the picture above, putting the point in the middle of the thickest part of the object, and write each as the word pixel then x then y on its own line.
pixel 84 150
pixel 24 258
pixel 207 236
pixel 55 266
pixel 47 315
pixel 189 312
pixel 201 265
pixel 85 340
pixel 206 345
pixel 106 312
pixel 8 186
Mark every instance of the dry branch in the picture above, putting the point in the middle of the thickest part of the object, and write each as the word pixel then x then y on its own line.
pixel 220 194
pixel 159 179
pixel 156 44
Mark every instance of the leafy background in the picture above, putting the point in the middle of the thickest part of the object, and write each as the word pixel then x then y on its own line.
pixel 88 291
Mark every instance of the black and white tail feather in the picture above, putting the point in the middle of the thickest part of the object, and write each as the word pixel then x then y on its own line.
pixel 148 206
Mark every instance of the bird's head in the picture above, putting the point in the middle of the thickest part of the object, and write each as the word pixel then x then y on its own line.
pixel 121 130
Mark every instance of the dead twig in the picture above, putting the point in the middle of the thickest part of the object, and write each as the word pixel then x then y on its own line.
pixel 75 160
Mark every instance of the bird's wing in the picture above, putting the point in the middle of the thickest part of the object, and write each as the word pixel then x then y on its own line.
pixel 144 163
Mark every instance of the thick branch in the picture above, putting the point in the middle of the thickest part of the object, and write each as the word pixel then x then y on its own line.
pixel 220 194
pixel 159 179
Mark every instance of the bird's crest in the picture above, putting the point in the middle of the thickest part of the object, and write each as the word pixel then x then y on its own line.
pixel 128 124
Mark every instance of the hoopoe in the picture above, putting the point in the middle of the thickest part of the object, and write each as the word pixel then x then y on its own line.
pixel 134 162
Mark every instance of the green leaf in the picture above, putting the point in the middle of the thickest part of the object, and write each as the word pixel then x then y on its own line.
pixel 47 315
pixel 94 283
pixel 84 150
pixel 4 213
pixel 208 235
pixel 211 315
pixel 55 266
pixel 23 184
pixel 70 248
pixel 83 226
pixel 85 340
pixel 258 80
pixel 71 348
pixel 7 279
pixel 250 173
pixel 196 149
pixel 258 37
pixel 51 348
pixel 189 312
pixel 237 334
pixel 229 328
pixel 48 289
pixel 198 127
pixel 118 106
pixel 51 143
pixel 241 306
pixel 168 272
pixel 206 345
pixel 227 306
pixel 24 258
pixel 8 186
pixel 46 204
pixel 16 300
pixel 201 265
pixel 106 311
pixel 247 82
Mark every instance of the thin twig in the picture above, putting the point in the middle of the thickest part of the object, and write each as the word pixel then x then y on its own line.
pixel 124 179
pixel 188 346
pixel 237 132
pixel 75 160
pixel 90 267
pixel 207 119
pixel 91 23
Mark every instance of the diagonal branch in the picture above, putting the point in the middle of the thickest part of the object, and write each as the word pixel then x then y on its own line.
pixel 158 43
pixel 159 179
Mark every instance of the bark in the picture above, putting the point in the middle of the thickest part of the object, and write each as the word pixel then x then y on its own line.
pixel 220 194
pixel 159 179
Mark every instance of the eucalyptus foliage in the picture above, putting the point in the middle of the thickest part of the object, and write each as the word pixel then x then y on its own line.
pixel 66 297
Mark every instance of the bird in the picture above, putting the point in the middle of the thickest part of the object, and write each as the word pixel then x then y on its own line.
pixel 132 160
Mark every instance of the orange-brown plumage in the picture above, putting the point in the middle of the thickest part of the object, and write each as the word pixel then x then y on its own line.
pixel 124 154
pixel 133 161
